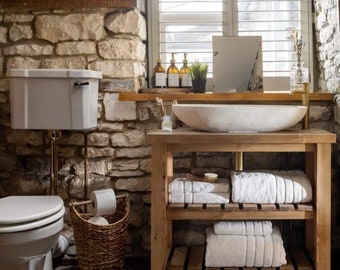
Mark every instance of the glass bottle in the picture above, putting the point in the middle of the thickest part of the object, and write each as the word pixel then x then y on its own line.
pixel 173 73
pixel 167 123
pixel 159 75
pixel 298 75
pixel 185 74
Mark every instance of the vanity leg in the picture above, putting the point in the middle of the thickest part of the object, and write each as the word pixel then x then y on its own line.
pixel 322 198
pixel 159 224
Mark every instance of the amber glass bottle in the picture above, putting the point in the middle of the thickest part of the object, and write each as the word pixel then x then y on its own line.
pixel 184 73
pixel 173 73
pixel 159 76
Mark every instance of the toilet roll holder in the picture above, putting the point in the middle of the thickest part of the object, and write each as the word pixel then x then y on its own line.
pixel 91 201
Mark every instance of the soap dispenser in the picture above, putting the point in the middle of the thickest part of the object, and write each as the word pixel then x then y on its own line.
pixel 173 73
pixel 159 76
pixel 185 73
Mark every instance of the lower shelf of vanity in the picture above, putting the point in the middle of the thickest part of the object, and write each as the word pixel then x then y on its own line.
pixel 192 258
pixel 235 211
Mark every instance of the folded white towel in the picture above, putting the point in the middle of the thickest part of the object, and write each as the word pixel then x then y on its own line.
pixel 199 197
pixel 270 187
pixel 244 250
pixel 183 185
pixel 261 227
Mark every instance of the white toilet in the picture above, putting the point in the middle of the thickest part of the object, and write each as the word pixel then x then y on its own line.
pixel 29 229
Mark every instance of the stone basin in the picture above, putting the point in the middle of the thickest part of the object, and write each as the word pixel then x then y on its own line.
pixel 239 117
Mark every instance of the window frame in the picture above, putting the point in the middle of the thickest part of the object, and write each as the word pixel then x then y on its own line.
pixel 229 23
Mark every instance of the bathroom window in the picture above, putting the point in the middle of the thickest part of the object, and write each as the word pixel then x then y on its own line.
pixel 188 26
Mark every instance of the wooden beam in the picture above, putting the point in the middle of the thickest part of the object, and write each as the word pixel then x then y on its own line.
pixel 66 4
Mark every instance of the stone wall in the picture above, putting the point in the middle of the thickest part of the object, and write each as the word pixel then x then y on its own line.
pixel 327 45
pixel 113 41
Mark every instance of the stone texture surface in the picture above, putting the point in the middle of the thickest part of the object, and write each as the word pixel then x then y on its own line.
pixel 118 155
pixel 56 28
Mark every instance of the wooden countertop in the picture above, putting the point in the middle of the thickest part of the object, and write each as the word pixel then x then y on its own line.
pixel 221 97
pixel 189 136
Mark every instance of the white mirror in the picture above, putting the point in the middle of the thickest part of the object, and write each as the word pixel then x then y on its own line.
pixel 237 64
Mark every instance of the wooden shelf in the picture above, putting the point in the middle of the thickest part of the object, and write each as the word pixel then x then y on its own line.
pixel 192 258
pixel 66 4
pixel 315 143
pixel 235 211
pixel 230 97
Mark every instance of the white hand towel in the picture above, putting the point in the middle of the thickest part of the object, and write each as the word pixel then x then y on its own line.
pixel 221 186
pixel 270 187
pixel 279 252
pixel 243 250
pixel 225 250
pixel 259 253
pixel 280 187
pixel 289 198
pixel 176 186
pixel 211 197
pixel 253 187
pixel 261 227
pixel 251 251
pixel 268 251
pixel 183 185
pixel 199 197
pixel 306 187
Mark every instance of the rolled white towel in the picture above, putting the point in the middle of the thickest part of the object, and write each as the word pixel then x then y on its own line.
pixel 184 185
pixel 270 187
pixel 261 227
pixel 244 250
pixel 199 197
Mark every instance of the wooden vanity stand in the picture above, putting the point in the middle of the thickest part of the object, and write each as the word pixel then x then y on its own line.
pixel 315 143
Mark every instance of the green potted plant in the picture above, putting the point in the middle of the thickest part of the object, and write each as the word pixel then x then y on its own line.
pixel 199 71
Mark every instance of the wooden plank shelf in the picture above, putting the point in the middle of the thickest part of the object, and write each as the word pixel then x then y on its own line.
pixel 226 97
pixel 182 211
pixel 192 258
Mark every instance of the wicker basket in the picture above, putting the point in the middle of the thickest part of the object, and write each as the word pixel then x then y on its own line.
pixel 101 246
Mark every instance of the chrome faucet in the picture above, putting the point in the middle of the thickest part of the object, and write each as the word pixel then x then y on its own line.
pixel 305 101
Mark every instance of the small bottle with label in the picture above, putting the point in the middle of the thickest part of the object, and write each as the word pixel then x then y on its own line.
pixel 167 123
pixel 185 74
pixel 159 76
pixel 173 73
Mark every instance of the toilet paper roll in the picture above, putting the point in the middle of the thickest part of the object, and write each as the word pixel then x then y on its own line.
pixel 104 202
pixel 99 220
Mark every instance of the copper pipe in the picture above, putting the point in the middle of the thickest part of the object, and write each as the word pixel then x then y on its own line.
pixel 85 166
pixel 54 136
pixel 238 160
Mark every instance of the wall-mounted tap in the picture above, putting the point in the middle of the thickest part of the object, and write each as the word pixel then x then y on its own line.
pixel 305 101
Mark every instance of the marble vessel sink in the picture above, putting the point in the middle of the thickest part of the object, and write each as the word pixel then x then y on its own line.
pixel 239 117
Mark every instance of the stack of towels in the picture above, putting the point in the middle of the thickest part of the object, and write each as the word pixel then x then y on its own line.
pixel 244 244
pixel 290 186
pixel 183 190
